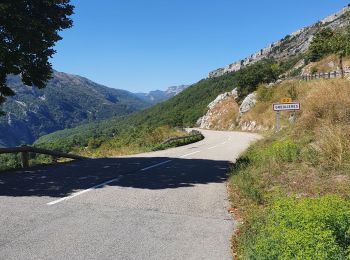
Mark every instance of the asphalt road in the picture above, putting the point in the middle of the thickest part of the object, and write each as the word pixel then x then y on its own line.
pixel 164 205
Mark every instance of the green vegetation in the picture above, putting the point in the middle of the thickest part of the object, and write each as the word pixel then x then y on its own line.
pixel 26 42
pixel 292 188
pixel 180 111
pixel 9 161
pixel 307 228
pixel 67 101
pixel 175 143
pixel 328 41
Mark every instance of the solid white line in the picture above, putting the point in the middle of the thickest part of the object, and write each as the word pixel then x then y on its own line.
pixel 156 165
pixel 183 156
pixel 82 192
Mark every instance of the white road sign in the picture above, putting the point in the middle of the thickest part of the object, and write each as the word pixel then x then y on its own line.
pixel 286 107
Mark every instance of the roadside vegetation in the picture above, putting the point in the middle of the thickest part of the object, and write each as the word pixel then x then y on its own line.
pixel 127 141
pixel 292 188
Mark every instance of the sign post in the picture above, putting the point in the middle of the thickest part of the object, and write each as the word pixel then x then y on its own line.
pixel 278 121
pixel 285 105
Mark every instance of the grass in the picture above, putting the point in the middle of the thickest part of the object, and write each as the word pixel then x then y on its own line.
pixel 132 141
pixel 306 164
pixel 328 64
pixel 224 114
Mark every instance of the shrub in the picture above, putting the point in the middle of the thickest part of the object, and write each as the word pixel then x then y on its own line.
pixel 280 151
pixel 9 161
pixel 265 93
pixel 303 229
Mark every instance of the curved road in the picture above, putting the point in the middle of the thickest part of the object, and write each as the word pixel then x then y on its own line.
pixel 163 205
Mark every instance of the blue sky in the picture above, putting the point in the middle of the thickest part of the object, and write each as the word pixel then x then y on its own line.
pixel 142 45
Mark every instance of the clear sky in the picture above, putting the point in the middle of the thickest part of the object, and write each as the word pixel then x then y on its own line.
pixel 142 45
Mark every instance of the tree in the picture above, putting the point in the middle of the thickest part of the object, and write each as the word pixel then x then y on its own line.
pixel 321 45
pixel 28 32
pixel 341 45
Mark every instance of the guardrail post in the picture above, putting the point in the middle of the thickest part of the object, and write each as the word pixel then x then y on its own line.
pixel 25 158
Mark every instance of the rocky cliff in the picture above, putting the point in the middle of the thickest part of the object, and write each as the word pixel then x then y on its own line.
pixel 293 44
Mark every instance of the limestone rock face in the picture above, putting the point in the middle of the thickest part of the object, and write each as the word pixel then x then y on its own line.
pixel 247 103
pixel 295 43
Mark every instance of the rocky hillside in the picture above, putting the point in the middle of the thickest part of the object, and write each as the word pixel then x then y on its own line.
pixel 157 96
pixel 67 101
pixel 291 45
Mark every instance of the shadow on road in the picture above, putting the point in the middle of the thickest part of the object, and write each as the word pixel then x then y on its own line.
pixel 64 179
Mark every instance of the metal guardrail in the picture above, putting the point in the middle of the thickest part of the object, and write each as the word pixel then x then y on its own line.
pixel 25 150
pixel 194 134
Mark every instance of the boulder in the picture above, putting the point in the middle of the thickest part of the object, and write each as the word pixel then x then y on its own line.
pixel 248 103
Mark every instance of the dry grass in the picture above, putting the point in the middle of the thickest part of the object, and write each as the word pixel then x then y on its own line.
pixel 328 64
pixel 144 142
pixel 321 137
pixel 225 114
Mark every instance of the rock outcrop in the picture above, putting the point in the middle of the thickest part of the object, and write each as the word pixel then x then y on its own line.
pixel 222 113
pixel 247 103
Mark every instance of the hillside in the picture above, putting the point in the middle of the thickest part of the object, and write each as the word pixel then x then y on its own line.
pixel 291 45
pixel 67 101
pixel 182 110
pixel 296 183
pixel 187 107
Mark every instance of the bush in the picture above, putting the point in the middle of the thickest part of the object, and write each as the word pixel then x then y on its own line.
pixel 303 229
pixel 264 93
pixel 9 161
pixel 280 151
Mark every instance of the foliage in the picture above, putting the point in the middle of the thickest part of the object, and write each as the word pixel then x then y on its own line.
pixel 321 45
pixel 183 110
pixel 327 41
pixel 28 32
pixel 67 101
pixel 303 229
pixel 249 78
pixel 9 161
pixel 180 142
pixel 264 93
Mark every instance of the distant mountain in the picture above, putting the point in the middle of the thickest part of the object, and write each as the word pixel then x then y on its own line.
pixel 157 96
pixel 67 101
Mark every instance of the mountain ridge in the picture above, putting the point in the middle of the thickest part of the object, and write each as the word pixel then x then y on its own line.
pixel 157 96
pixel 292 44
pixel 67 101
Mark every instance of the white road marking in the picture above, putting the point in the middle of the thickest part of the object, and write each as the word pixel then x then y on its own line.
pixel 156 165
pixel 82 192
pixel 213 147
pixel 183 156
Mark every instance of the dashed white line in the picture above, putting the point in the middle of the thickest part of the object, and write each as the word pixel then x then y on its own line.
pixel 118 178
pixel 82 192
pixel 156 165
pixel 185 155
